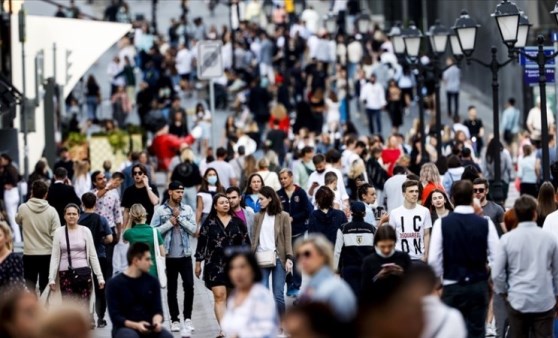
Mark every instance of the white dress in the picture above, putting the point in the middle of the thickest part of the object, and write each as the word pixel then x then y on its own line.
pixel 333 114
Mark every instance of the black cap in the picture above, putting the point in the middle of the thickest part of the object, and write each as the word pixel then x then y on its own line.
pixel 358 207
pixel 175 185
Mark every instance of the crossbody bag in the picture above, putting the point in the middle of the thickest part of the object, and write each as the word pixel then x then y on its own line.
pixel 80 277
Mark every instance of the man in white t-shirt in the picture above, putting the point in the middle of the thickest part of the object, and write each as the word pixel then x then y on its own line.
pixel 227 176
pixel 412 223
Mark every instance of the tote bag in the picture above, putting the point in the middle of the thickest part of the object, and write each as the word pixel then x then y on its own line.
pixel 159 261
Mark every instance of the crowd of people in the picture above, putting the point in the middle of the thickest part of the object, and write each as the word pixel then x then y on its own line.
pixel 298 224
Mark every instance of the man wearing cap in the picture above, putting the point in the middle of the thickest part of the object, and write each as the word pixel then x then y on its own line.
pixel 176 222
pixel 355 241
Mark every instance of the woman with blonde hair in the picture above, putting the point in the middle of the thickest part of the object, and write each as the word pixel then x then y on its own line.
pixel 82 179
pixel 138 231
pixel 250 167
pixel 11 265
pixel 357 177
pixel 314 254
pixel 279 113
pixel 430 179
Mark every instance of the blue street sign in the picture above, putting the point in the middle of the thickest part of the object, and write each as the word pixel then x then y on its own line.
pixel 531 76
pixel 532 51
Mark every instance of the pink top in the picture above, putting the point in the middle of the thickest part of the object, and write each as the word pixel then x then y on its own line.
pixel 77 248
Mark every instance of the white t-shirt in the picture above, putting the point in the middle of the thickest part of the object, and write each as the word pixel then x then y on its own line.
pixel 267 234
pixel 409 225
pixel 184 61
pixel 392 190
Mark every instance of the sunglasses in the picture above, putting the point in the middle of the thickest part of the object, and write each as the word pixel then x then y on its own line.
pixel 478 190
pixel 304 254
pixel 138 173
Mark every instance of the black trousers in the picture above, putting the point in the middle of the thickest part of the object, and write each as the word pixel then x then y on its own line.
pixel 533 325
pixel 110 252
pixel 35 267
pixel 100 299
pixel 450 96
pixel 472 301
pixel 182 266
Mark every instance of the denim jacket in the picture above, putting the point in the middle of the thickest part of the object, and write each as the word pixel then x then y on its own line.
pixel 186 220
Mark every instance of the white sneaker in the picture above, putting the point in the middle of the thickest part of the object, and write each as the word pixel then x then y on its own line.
pixel 175 326
pixel 490 330
pixel 188 325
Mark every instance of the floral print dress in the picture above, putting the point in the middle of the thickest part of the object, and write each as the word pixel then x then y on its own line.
pixel 214 239
pixel 11 272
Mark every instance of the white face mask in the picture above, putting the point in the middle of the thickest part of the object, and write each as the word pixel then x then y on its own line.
pixel 379 252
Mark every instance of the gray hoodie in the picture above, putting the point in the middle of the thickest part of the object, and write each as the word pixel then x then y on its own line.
pixel 38 221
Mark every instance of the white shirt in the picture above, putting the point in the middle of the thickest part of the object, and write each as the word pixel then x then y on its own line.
pixel 183 61
pixel 534 122
pixel 551 224
pixel 452 79
pixel 320 179
pixel 436 253
pixel 347 159
pixel 311 17
pixel 355 52
pixel 270 179
pixel 392 189
pixel 441 320
pixel 409 225
pixel 267 234
pixel 374 95
pixel 224 170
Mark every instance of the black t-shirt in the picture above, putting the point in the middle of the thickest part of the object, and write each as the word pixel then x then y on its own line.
pixel 133 195
pixel 277 138
pixel 372 265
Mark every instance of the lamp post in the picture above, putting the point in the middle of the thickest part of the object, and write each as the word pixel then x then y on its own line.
pixel 21 22
pixel 466 30
pixel 407 45
pixel 438 35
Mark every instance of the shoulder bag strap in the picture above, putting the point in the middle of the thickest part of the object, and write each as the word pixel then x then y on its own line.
pixel 68 248
pixel 156 243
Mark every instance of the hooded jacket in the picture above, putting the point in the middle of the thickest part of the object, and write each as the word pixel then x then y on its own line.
pixel 326 223
pixel 38 221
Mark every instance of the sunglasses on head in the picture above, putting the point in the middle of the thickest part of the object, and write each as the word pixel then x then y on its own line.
pixel 138 173
pixel 304 254
pixel 481 190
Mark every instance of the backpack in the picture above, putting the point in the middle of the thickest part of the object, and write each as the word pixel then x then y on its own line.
pixel 93 222
pixel 186 173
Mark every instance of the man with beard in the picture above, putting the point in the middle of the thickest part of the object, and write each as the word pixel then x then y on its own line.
pixel 176 222
pixel 235 202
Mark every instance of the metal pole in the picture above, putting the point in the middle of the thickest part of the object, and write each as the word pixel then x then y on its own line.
pixel 541 61
pixel 233 31
pixel 348 90
pixel 422 128
pixel 54 62
pixel 436 63
pixel 497 186
pixel 555 38
pixel 23 91
pixel 154 15
pixel 50 130
pixel 213 113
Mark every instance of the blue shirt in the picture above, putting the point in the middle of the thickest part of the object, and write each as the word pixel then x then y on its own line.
pixel 526 268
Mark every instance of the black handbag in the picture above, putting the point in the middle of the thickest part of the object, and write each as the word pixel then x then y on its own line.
pixel 80 277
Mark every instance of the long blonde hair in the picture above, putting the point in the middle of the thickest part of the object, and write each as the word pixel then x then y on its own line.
pixel 81 168
pixel 136 215
pixel 357 169
pixel 429 173
pixel 8 234
pixel 279 112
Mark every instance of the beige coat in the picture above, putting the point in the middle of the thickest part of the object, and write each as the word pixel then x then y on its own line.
pixel 55 297
pixel 283 237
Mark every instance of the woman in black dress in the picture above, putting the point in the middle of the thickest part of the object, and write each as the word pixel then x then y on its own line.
pixel 11 265
pixel 220 231
pixel 395 105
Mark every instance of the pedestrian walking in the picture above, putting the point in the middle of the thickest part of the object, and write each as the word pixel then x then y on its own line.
pixel 220 230
pixel 210 186
pixel 462 243
pixel 11 264
pixel 61 192
pixel 354 243
pixel 236 202
pixel 325 219
pixel 175 221
pixel 39 221
pixel 530 300
pixel 140 192
pixel 133 315
pixel 412 223
pixel 272 244
pixel 251 311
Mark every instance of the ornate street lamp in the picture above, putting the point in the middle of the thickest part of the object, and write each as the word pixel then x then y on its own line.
pixel 466 30
pixel 411 38
pixel 397 38
pixel 522 32
pixel 507 17
pixel 455 47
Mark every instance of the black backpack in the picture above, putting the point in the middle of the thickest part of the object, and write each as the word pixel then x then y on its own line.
pixel 377 176
pixel 186 173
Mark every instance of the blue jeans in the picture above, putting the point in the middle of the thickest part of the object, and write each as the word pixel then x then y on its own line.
pixel 92 103
pixel 374 114
pixel 189 197
pixel 278 275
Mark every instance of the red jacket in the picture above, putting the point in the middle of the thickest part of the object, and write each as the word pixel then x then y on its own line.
pixel 284 124
pixel 165 146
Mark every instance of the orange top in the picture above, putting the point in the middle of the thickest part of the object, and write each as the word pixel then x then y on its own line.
pixel 427 189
